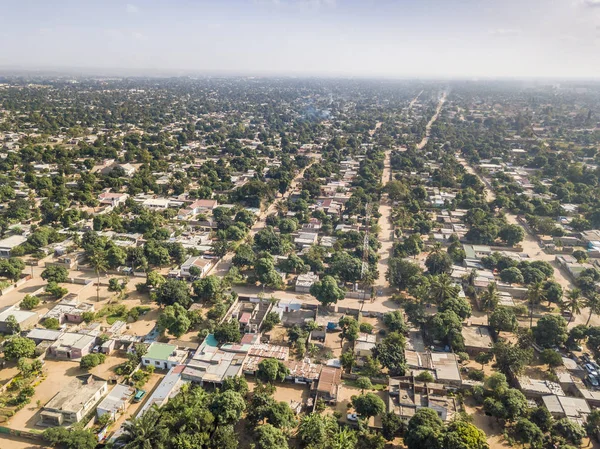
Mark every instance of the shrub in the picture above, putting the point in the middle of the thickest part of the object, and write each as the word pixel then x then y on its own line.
pixel 30 302
pixel 91 360
pixel 51 323
pixel 425 376
pixel 476 374
pixel 366 327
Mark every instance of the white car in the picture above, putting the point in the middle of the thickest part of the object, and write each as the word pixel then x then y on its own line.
pixel 352 417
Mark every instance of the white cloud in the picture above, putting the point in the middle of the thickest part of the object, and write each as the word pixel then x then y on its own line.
pixel 505 32
pixel 592 3
pixel 132 9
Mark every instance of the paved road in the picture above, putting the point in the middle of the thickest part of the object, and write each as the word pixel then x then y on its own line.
pixel 423 142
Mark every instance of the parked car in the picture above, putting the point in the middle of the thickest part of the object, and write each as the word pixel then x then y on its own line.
pixel 139 395
pixel 352 417
pixel 592 381
pixel 591 369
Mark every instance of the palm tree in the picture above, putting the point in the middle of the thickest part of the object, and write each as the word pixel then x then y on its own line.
pixel 489 299
pixel 344 438
pixel 535 295
pixel 145 432
pixel 98 262
pixel 442 288
pixel 593 303
pixel 572 303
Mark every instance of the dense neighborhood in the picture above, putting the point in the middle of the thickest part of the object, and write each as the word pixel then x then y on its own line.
pixel 272 263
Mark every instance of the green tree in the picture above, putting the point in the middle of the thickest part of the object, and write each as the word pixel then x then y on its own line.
pixel 572 303
pixel 271 370
pixel 17 347
pixel 512 275
pixel 269 437
pixel 51 323
pixel 55 274
pixel 12 325
pixel 327 291
pixel 401 272
pixel 175 319
pixel 394 321
pixel 91 360
pixel 364 383
pixel 368 405
pixel 70 438
pixel 438 262
pixel 425 430
pixel 228 332
pixel 29 302
pixel 527 432
pixel 172 292
pixel 98 261
pixel 227 407
pixel 209 288
pixel 458 305
pixel 569 430
pixel 503 319
pixel 551 357
pixel 511 234
pixel 551 330
pixel 462 434
pixel 391 424
pixel 144 432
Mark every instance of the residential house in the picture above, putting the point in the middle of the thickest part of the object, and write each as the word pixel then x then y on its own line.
pixel 74 400
pixel 164 356
pixel 116 401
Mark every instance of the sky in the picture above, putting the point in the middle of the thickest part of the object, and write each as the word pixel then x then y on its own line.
pixel 347 38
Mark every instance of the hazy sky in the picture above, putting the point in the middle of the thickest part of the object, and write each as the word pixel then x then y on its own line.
pixel 434 38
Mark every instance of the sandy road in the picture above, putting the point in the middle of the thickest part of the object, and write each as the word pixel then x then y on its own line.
pixel 224 265
pixel 425 139
pixel 386 235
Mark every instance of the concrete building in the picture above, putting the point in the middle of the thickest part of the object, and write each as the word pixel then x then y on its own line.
pixel 305 281
pixel 169 387
pixel 164 356
pixel 477 339
pixel 116 401
pixel 329 383
pixel 196 261
pixel 72 346
pixel 7 244
pixel 406 396
pixel 575 409
pixel 74 400
pixel 24 318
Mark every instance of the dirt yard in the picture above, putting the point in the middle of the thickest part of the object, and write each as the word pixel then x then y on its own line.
pixel 12 442
pixel 58 373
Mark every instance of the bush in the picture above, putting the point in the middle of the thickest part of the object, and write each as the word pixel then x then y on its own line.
pixel 366 327
pixel 91 360
pixel 476 374
pixel 55 274
pixel 551 357
pixel 425 376
pixel 51 323
pixel 29 302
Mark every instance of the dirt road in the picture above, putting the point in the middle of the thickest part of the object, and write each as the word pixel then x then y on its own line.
pixel 423 142
pixel 386 235
pixel 224 265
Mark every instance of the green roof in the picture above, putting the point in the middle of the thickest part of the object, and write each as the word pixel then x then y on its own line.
pixel 160 351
